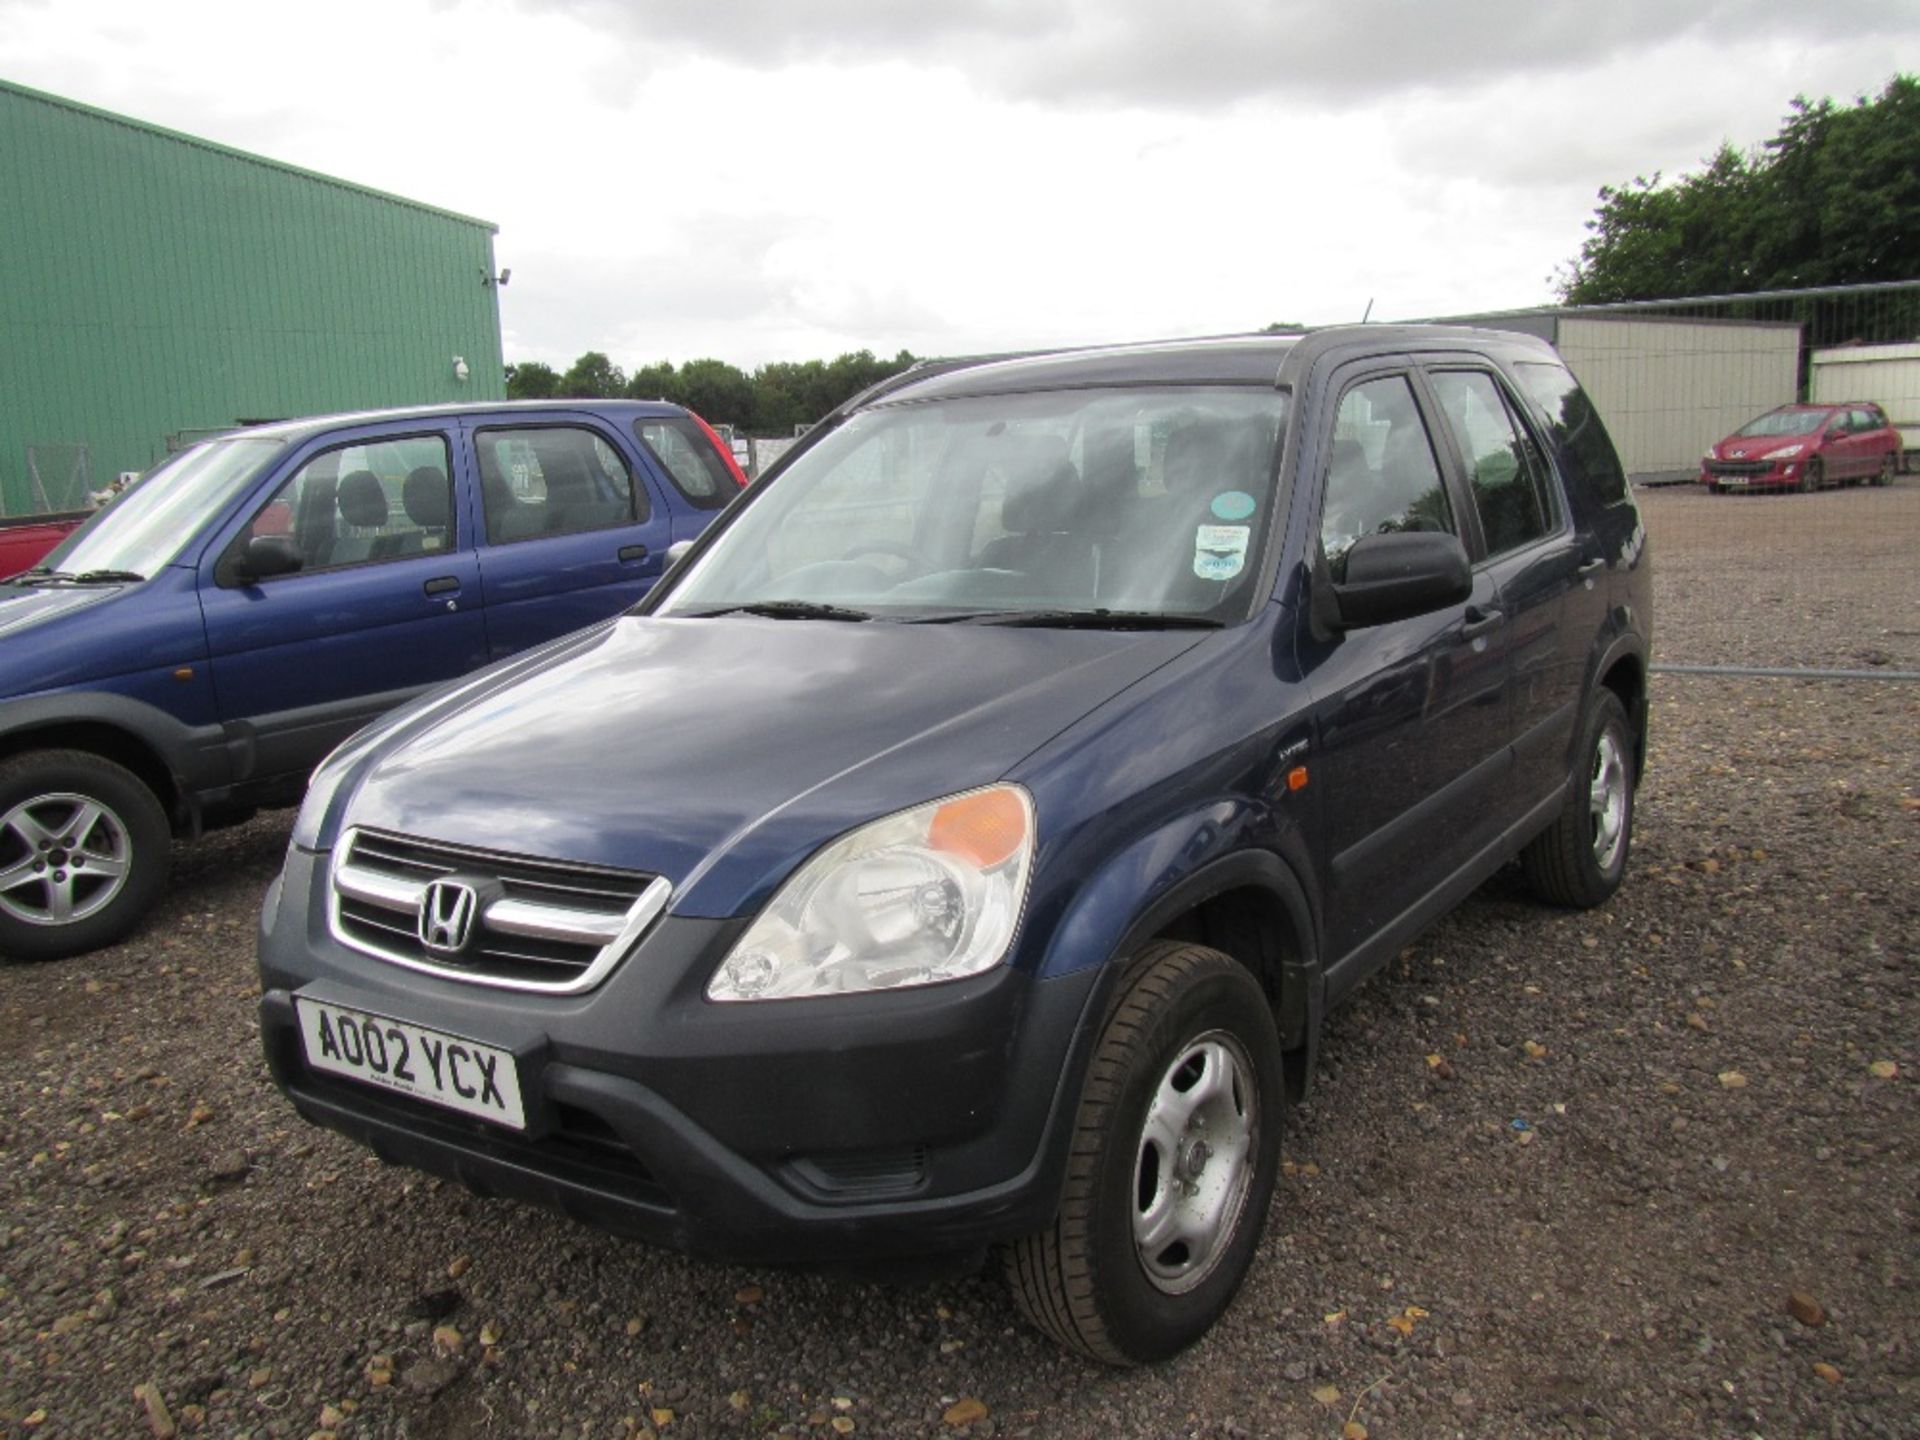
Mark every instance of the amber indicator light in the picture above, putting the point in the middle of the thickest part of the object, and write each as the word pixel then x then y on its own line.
pixel 1297 778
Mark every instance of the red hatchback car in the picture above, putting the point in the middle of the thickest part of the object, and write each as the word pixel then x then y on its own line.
pixel 1806 447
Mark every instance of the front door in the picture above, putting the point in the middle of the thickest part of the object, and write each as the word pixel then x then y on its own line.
pixel 384 604
pixel 1411 749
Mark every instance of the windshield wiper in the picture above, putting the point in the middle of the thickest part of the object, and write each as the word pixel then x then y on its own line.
pixel 785 610
pixel 41 573
pixel 1095 619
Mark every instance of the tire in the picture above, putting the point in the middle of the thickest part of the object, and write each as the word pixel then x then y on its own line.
pixel 1578 861
pixel 1179 1121
pixel 1814 477
pixel 1884 476
pixel 58 899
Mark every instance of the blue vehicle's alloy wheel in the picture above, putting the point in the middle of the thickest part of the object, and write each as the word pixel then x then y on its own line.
pixel 83 853
pixel 1172 1163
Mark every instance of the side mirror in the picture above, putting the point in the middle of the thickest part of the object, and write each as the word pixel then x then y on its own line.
pixel 677 549
pixel 1837 433
pixel 1392 577
pixel 264 557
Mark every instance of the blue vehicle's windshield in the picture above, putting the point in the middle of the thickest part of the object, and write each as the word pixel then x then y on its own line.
pixel 146 527
pixel 1148 501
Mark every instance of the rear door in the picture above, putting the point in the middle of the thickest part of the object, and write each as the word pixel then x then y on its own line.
pixel 385 604
pixel 1547 577
pixel 570 529
pixel 1411 750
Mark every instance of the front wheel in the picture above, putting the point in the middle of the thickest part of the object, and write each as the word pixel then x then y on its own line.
pixel 1885 473
pixel 1580 859
pixel 1814 477
pixel 1174 1152
pixel 83 853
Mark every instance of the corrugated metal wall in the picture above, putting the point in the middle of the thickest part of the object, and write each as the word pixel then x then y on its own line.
pixel 155 284
pixel 1670 388
pixel 1888 375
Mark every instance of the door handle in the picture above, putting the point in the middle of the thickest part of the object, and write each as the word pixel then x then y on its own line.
pixel 441 585
pixel 1479 621
pixel 1592 567
pixel 633 552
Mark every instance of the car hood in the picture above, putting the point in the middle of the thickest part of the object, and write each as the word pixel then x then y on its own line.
pixel 24 606
pixel 721 752
pixel 1755 447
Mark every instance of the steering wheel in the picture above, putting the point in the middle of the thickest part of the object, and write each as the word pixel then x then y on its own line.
pixel 918 561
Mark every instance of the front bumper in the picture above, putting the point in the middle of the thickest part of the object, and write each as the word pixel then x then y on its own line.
pixel 1737 475
pixel 920 1123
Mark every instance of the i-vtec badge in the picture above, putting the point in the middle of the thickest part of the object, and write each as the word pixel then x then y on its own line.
pixel 448 909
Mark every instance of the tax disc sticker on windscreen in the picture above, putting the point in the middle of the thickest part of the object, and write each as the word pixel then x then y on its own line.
pixel 1220 551
pixel 1233 505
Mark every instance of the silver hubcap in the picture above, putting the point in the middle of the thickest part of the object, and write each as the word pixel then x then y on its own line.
pixel 1607 799
pixel 1195 1162
pixel 62 858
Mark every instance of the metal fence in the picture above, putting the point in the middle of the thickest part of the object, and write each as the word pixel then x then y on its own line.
pixel 58 477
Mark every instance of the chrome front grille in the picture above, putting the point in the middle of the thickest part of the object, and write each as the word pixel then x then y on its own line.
pixel 543 925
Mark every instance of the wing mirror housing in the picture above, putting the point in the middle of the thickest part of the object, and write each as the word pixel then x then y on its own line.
pixel 262 558
pixel 1392 577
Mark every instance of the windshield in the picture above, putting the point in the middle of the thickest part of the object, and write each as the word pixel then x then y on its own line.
pixel 1783 422
pixel 1085 502
pixel 145 527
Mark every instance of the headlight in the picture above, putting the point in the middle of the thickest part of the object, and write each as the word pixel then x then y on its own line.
pixel 1785 452
pixel 927 895
pixel 1709 455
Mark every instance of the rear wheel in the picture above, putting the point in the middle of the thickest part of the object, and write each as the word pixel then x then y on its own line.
pixel 1174 1152
pixel 1579 860
pixel 83 853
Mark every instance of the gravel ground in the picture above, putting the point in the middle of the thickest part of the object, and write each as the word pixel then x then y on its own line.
pixel 1647 1170
pixel 1826 580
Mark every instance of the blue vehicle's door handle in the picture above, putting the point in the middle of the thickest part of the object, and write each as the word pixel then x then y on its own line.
pixel 441 585
pixel 633 552
pixel 1479 622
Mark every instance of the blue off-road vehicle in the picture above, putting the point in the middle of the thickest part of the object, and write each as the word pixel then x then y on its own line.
pixel 961 847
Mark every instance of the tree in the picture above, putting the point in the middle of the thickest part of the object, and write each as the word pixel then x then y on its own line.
pixel 530 380
pixel 593 376
pixel 717 392
pixel 1832 199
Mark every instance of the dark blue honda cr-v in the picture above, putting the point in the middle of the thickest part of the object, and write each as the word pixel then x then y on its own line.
pixel 962 846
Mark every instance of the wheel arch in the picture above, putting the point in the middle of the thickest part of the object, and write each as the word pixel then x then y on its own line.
pixel 1624 672
pixel 109 736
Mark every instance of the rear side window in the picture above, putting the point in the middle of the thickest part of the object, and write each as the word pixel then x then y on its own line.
pixel 1509 489
pixel 553 480
pixel 689 459
pixel 1575 426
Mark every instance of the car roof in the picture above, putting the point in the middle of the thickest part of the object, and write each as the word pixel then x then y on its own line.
pixel 307 425
pixel 1257 359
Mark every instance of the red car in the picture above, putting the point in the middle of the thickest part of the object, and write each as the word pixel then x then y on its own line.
pixel 1806 447
pixel 26 539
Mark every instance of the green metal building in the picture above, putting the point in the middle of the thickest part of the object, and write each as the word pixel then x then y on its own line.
pixel 154 287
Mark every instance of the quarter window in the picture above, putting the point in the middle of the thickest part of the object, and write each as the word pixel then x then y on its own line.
pixel 689 459
pixel 366 502
pixel 553 480
pixel 1508 481
pixel 1575 427
pixel 1382 476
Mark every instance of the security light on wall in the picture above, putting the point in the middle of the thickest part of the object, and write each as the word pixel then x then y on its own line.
pixel 460 371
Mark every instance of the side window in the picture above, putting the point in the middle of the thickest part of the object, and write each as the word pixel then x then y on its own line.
pixel 1382 476
pixel 689 459
pixel 362 503
pixel 1575 426
pixel 1863 421
pixel 1509 488
pixel 553 480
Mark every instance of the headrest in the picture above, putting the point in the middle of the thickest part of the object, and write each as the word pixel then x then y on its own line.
pixel 424 497
pixel 1043 488
pixel 363 504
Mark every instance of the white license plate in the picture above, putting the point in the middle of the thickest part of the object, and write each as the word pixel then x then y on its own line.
pixel 429 1065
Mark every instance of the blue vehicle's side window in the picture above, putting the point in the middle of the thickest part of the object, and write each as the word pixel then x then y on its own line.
pixel 1383 476
pixel 363 503
pixel 553 480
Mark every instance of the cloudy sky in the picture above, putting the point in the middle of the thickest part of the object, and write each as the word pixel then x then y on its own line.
pixel 787 179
